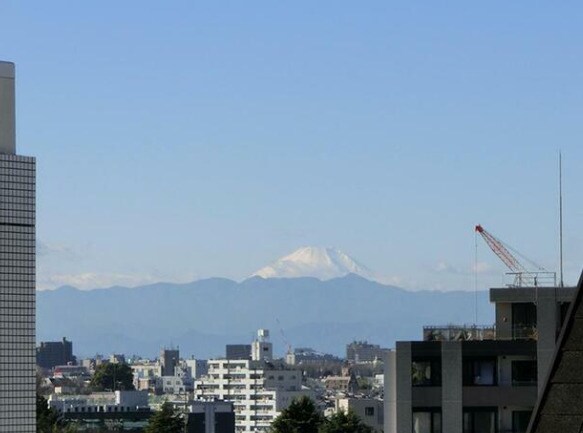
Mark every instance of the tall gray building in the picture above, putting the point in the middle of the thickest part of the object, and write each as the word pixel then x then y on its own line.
pixel 477 379
pixel 17 271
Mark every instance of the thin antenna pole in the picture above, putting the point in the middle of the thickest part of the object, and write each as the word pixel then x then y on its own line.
pixel 476 276
pixel 560 219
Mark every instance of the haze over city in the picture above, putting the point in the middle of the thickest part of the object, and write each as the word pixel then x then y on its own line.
pixel 200 140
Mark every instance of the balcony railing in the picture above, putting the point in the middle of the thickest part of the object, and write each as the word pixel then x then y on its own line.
pixel 458 333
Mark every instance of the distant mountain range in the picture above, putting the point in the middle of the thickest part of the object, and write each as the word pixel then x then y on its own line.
pixel 201 317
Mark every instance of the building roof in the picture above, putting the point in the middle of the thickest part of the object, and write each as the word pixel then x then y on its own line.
pixel 559 407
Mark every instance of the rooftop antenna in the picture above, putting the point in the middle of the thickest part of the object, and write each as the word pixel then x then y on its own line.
pixel 560 219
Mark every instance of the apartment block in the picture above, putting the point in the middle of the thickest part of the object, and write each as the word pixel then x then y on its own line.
pixel 259 390
pixel 477 379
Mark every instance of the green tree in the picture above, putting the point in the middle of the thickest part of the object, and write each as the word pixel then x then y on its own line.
pixel 112 377
pixel 48 420
pixel 166 420
pixel 344 422
pixel 301 416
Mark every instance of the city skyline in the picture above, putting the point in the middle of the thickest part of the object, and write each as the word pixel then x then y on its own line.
pixel 204 140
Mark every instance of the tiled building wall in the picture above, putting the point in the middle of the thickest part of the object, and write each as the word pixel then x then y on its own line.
pixel 17 294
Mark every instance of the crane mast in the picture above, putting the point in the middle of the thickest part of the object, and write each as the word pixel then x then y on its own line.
pixel 523 276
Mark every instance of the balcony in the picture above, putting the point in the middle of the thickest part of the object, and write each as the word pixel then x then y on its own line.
pixel 459 333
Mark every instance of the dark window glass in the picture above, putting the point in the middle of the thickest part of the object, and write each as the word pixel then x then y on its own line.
pixel 520 419
pixel 480 420
pixel 369 411
pixel 426 372
pixel 524 373
pixel 427 421
pixel 479 371
pixel 524 320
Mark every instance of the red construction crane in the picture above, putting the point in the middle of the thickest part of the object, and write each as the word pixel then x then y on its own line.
pixel 522 276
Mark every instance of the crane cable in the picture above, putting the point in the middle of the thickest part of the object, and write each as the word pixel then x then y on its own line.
pixel 476 276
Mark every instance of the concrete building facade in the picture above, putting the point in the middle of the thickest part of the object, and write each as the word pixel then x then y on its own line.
pixel 369 410
pixel 362 351
pixel 210 417
pixel 17 271
pixel 259 390
pixel 169 359
pixel 49 354
pixel 475 380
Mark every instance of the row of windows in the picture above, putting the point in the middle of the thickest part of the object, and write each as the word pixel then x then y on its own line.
pixel 20 198
pixel 15 161
pixel 15 231
pixel 13 217
pixel 11 189
pixel 18 265
pixel 17 309
pixel 16 292
pixel 475 420
pixel 28 380
pixel 475 372
pixel 9 181
pixel 15 171
pixel 17 246
pixel 7 160
pixel 12 203
pixel 20 256
pixel 12 237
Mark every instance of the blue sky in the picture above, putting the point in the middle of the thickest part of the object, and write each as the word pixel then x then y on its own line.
pixel 181 140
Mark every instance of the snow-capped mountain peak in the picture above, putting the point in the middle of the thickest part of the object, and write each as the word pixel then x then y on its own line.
pixel 319 262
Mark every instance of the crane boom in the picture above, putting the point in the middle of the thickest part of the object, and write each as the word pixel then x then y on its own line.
pixel 523 277
pixel 500 250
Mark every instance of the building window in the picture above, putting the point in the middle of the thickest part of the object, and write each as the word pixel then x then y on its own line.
pixel 426 372
pixel 369 411
pixel 427 421
pixel 520 420
pixel 479 371
pixel 524 373
pixel 524 321
pixel 480 420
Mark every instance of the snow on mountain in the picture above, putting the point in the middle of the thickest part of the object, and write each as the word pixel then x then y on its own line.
pixel 318 262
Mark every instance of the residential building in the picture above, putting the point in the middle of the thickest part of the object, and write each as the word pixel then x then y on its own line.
pixel 196 367
pixel 475 379
pixel 49 354
pixel 261 348
pixel 238 351
pixel 259 389
pixel 308 356
pixel 210 417
pixel 369 410
pixel 17 271
pixel 362 351
pixel 169 359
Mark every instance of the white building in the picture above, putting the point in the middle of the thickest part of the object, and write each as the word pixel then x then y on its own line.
pixel 259 390
pixel 104 402
pixel 369 410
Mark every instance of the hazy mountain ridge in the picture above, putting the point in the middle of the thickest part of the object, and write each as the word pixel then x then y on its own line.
pixel 204 315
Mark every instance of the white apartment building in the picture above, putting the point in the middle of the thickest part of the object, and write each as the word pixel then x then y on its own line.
pixel 259 390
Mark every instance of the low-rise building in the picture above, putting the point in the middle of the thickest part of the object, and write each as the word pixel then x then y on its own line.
pixel 210 417
pixel 52 353
pixel 369 410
